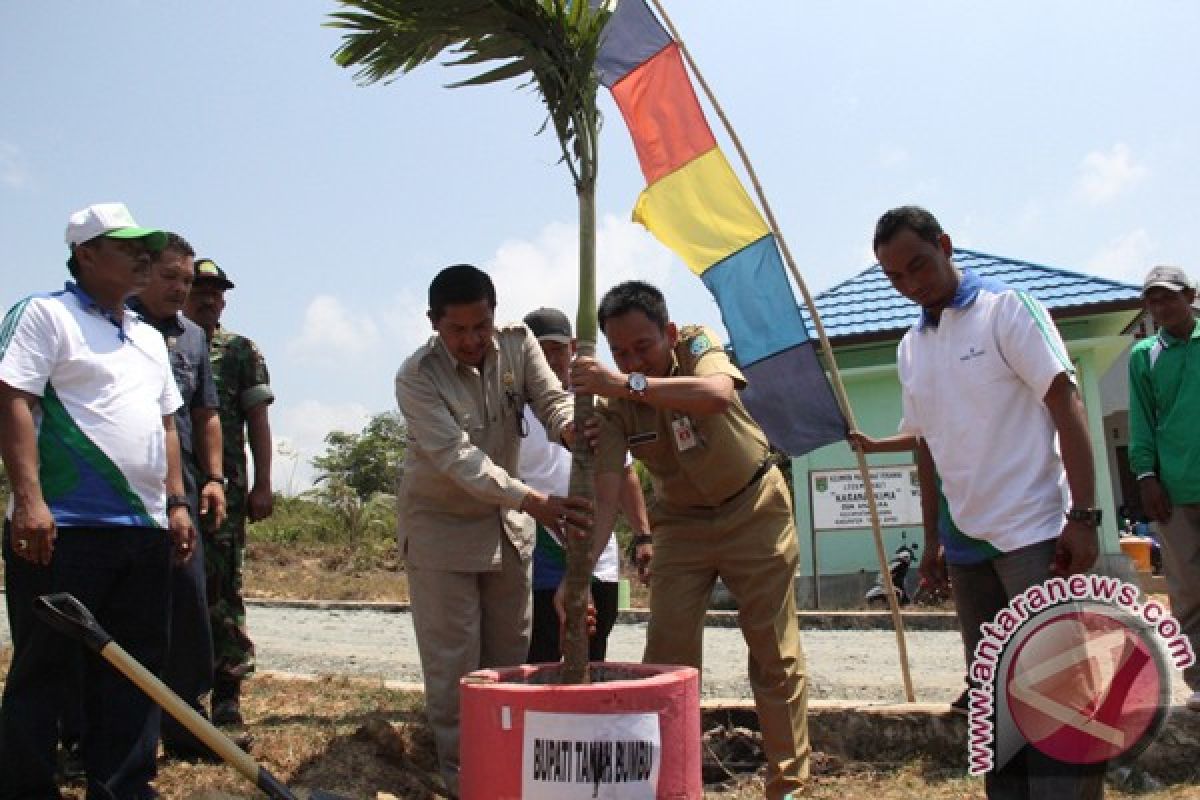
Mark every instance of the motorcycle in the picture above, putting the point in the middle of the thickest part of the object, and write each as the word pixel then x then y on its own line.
pixel 898 566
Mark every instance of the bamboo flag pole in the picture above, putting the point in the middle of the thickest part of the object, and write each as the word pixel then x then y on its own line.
pixel 826 349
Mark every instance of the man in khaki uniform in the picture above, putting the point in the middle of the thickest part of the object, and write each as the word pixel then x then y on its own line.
pixel 467 544
pixel 721 506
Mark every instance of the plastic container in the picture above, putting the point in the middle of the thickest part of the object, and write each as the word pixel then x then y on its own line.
pixel 1138 550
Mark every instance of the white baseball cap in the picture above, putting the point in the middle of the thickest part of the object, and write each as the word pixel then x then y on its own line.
pixel 112 220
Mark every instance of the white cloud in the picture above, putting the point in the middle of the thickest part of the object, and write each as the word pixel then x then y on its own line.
pixel 331 332
pixel 1125 258
pixel 299 432
pixel 544 271
pixel 13 172
pixel 527 273
pixel 1104 175
pixel 406 324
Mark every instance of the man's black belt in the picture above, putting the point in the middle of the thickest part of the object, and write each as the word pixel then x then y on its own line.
pixel 762 470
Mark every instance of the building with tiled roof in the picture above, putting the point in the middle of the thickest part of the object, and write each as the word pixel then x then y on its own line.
pixel 866 307
pixel 864 318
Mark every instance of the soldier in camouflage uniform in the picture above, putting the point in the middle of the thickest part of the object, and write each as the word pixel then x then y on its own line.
pixel 244 393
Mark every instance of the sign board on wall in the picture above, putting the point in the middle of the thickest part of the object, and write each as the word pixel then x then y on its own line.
pixel 590 756
pixel 839 501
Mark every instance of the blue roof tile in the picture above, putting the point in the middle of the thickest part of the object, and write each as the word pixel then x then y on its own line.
pixel 867 304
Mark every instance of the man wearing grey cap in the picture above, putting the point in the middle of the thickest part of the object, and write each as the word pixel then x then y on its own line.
pixel 87 433
pixel 546 466
pixel 1164 452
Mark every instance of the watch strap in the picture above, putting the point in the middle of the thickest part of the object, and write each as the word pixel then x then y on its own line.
pixel 1089 516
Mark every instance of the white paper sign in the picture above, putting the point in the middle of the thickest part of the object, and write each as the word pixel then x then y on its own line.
pixel 839 499
pixel 590 756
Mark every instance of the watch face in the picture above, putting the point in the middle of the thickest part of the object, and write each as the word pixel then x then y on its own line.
pixel 637 382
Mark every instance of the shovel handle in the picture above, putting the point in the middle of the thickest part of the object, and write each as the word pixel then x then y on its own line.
pixel 70 617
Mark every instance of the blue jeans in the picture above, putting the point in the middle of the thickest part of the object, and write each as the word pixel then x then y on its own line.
pixel 980 592
pixel 121 575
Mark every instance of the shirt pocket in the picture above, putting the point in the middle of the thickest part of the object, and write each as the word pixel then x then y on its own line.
pixel 652 447
pixel 512 413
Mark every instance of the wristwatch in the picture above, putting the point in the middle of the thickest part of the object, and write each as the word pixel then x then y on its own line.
pixel 1088 516
pixel 221 479
pixel 637 384
pixel 177 501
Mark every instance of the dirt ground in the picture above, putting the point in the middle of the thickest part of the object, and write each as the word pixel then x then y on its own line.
pixel 276 571
pixel 363 740
pixel 279 571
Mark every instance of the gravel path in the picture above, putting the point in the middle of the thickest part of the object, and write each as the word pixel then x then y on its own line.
pixel 844 665
pixel 857 666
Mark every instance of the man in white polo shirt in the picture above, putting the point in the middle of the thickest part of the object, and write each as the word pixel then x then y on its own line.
pixel 989 392
pixel 88 437
pixel 546 466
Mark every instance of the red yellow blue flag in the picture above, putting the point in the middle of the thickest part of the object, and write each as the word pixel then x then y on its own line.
pixel 695 204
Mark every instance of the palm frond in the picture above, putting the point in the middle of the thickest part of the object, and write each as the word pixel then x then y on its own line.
pixel 553 42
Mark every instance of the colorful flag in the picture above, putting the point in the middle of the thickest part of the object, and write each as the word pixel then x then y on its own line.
pixel 695 205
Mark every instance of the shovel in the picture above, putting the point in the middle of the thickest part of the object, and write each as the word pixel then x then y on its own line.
pixel 71 618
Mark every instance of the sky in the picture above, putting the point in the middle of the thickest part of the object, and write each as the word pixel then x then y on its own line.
pixel 1061 133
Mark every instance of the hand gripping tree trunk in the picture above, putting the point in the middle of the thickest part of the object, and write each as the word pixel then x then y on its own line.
pixel 553 44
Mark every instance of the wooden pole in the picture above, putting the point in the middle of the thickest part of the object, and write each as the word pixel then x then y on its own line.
pixel 826 349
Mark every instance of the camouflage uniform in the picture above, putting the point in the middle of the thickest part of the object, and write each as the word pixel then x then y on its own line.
pixel 242 383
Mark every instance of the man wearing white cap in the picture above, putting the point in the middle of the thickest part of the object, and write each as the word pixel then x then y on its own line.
pixel 1164 451
pixel 88 437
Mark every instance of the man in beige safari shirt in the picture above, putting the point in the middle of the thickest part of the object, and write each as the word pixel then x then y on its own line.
pixel 721 508
pixel 467 544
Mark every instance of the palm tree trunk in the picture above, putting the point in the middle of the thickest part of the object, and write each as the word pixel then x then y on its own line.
pixel 579 564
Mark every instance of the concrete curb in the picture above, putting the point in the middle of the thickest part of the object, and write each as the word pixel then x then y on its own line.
pixel 903 732
pixel 808 620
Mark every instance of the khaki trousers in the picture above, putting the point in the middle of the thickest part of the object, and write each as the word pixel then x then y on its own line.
pixel 1180 540
pixel 751 544
pixel 466 621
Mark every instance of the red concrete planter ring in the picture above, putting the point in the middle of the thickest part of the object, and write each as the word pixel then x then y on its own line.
pixel 634 732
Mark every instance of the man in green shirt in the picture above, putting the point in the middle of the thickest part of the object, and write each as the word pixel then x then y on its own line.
pixel 1164 453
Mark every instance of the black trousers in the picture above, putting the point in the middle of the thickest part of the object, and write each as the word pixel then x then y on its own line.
pixel 122 575
pixel 544 646
pixel 188 670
